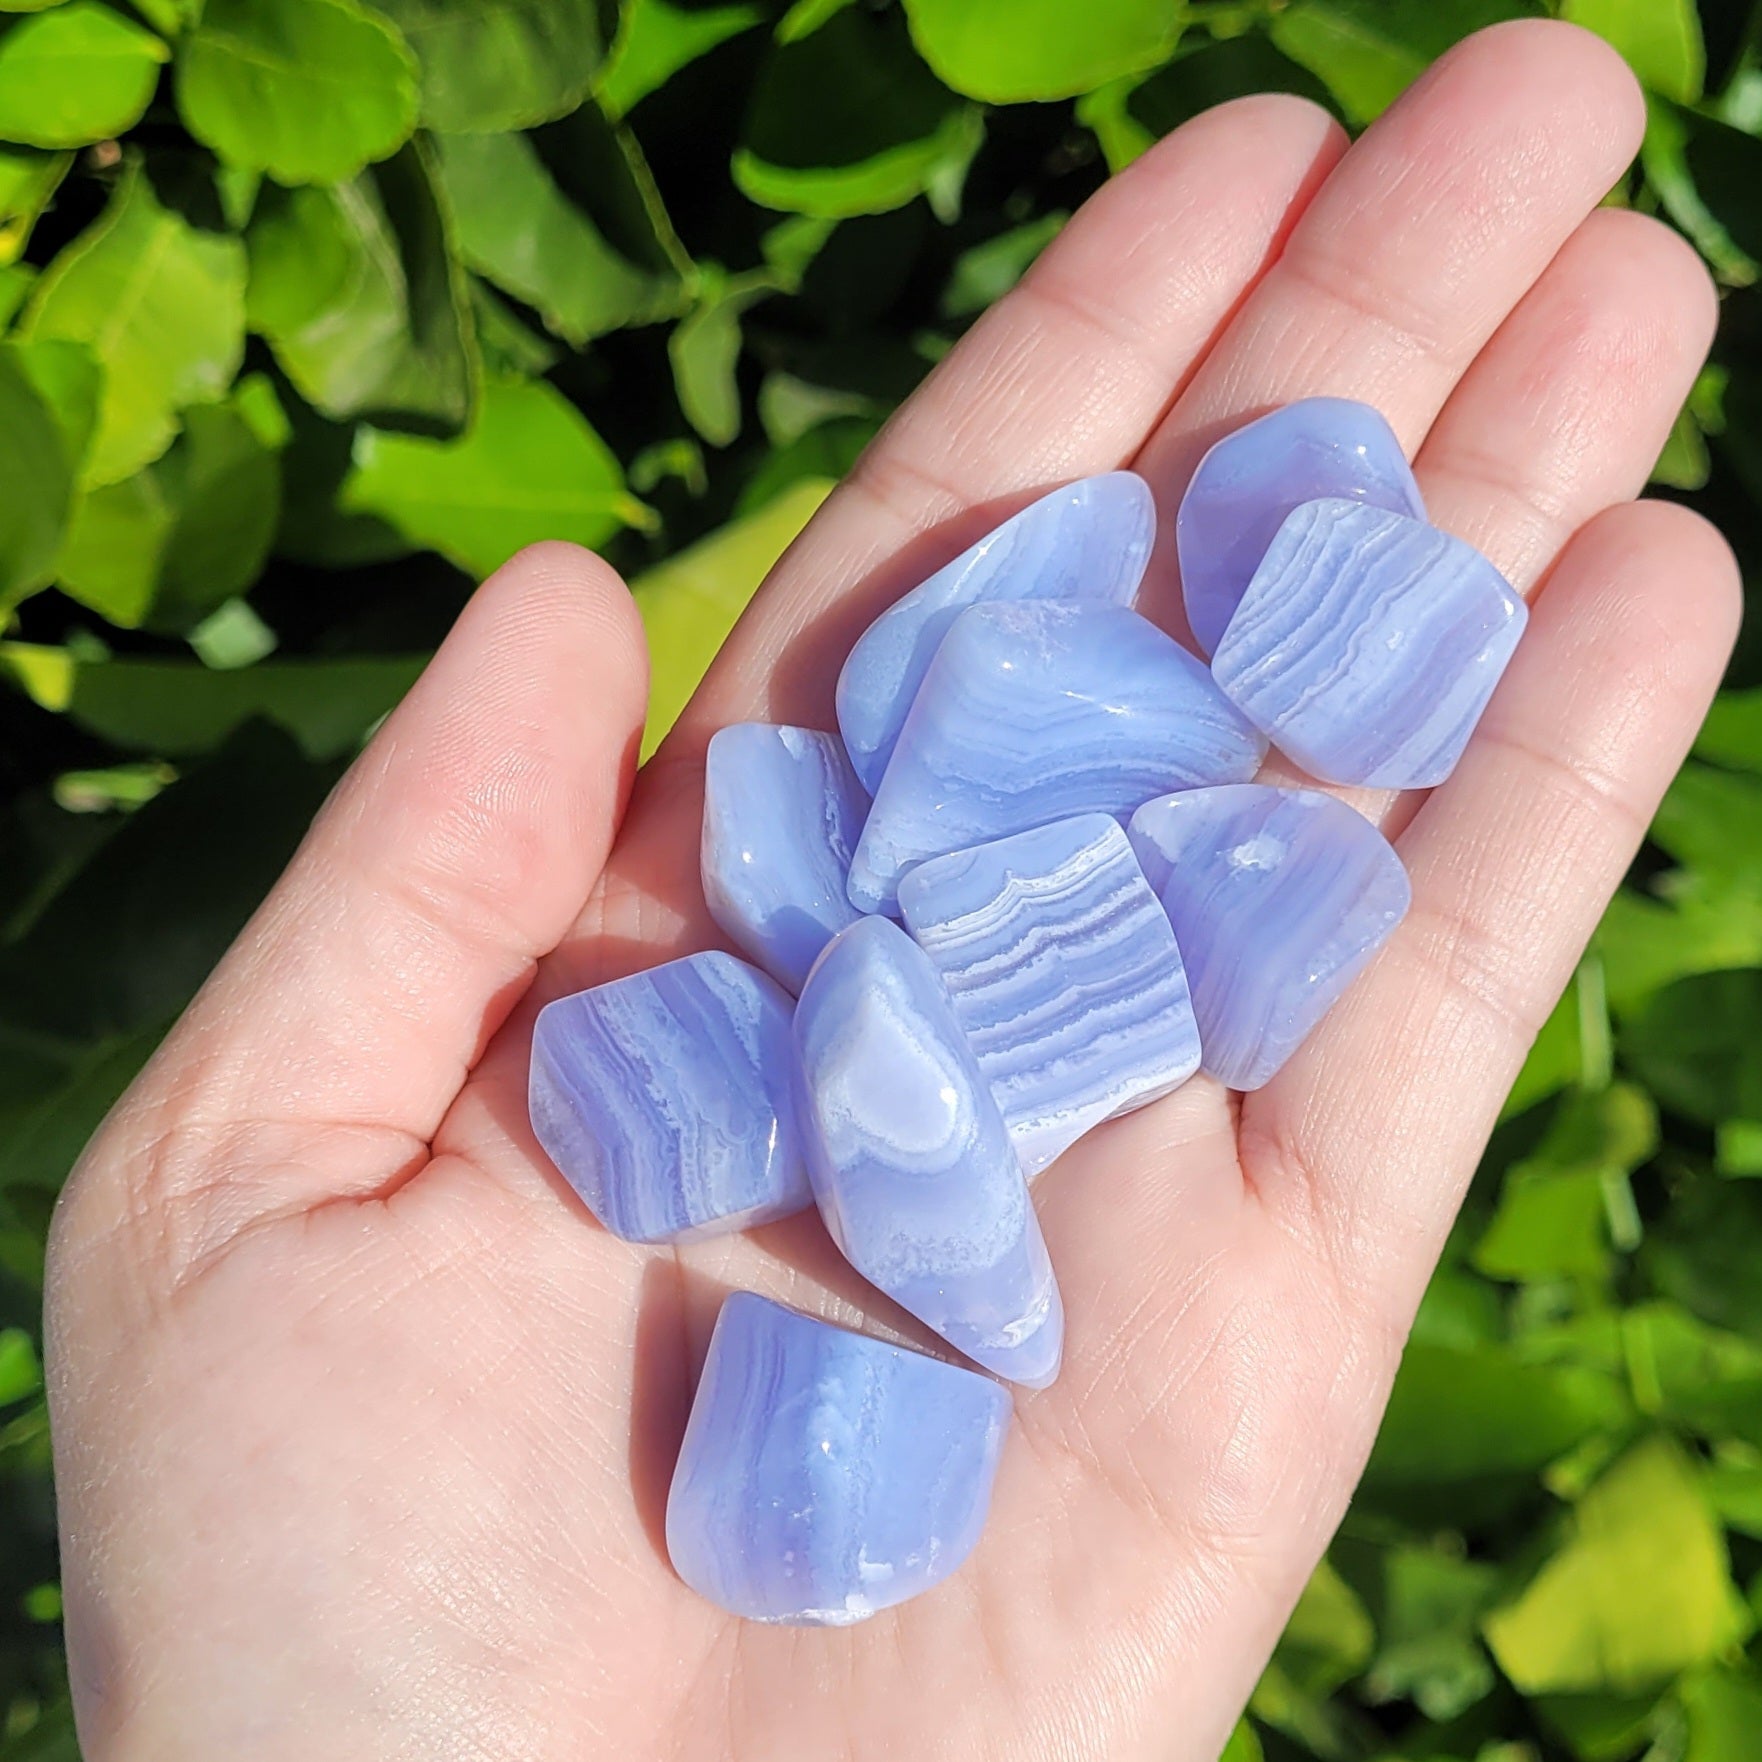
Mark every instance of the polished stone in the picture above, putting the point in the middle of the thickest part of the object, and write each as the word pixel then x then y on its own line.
pixel 911 1162
pixel 1368 644
pixel 1034 712
pixel 1250 481
pixel 782 813
pixel 1087 541
pixel 1278 898
pixel 1064 973
pixel 825 1476
pixel 665 1100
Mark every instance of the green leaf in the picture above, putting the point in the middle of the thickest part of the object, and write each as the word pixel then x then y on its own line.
pixel 28 181
pixel 1732 733
pixel 490 65
pixel 507 346
pixel 705 350
pixel 358 293
pixel 39 1149
pixel 1724 1710
pixel 1646 944
pixel 182 707
pixel 1703 173
pixel 1022 51
pixel 1329 1638
pixel 518 229
pixel 1579 1627
pixel 1711 822
pixel 1660 38
pixel 78 74
pixel 1695 1045
pixel 167 545
pixel 1243 1746
pixel 984 273
pixel 848 121
pixel 1458 1415
pixel 656 39
pixel 530 468
pixel 232 635
pixel 20 1374
pixel 1367 52
pixel 690 602
pixel 38 472
pixel 162 307
pixel 309 91
pixel 1428 1615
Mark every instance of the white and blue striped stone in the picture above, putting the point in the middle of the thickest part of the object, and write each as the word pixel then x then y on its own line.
pixel 1087 541
pixel 825 1476
pixel 664 1100
pixel 782 813
pixel 1065 976
pixel 1367 645
pixel 1034 712
pixel 1279 897
pixel 910 1160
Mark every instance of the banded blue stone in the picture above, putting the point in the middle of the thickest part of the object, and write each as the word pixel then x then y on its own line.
pixel 825 1476
pixel 1367 645
pixel 1087 541
pixel 782 813
pixel 1065 976
pixel 1248 483
pixel 664 1100
pixel 1278 897
pixel 910 1159
pixel 1034 712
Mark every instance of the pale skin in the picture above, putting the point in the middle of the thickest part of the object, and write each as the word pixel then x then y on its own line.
pixel 363 1425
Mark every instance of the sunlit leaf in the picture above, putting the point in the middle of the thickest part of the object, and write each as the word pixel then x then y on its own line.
pixel 80 73
pixel 1015 51
pixel 1660 38
pixel 38 473
pixel 28 181
pixel 656 39
pixel 309 91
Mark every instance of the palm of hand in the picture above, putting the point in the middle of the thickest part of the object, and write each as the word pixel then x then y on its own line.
pixel 363 1426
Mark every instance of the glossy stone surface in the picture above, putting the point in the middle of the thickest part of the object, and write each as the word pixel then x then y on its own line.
pixel 825 1476
pixel 664 1099
pixel 1251 480
pixel 1064 973
pixel 1087 541
pixel 1036 712
pixel 782 813
pixel 1278 898
pixel 1367 645
pixel 910 1159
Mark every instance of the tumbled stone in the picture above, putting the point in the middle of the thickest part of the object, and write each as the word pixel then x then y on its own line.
pixel 1064 973
pixel 1035 712
pixel 825 1476
pixel 1087 541
pixel 664 1099
pixel 782 813
pixel 1367 645
pixel 1250 481
pixel 1278 898
pixel 910 1159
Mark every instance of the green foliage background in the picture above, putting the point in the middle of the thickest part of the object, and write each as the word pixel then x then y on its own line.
pixel 314 311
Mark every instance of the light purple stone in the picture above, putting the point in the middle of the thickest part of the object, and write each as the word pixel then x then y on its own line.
pixel 825 1476
pixel 1087 541
pixel 1064 974
pixel 782 813
pixel 665 1100
pixel 1251 480
pixel 1278 898
pixel 1368 644
pixel 1036 712
pixel 911 1163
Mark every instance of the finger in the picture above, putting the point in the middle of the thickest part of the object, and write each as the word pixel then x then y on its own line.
pixel 1062 378
pixel 1413 252
pixel 1367 1139
pixel 1568 407
pixel 456 850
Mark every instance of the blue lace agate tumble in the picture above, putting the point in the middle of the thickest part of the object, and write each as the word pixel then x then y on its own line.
pixel 1278 898
pixel 1034 712
pixel 1064 974
pixel 825 1476
pixel 1087 541
pixel 1367 645
pixel 664 1099
pixel 782 813
pixel 1249 482
pixel 910 1160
